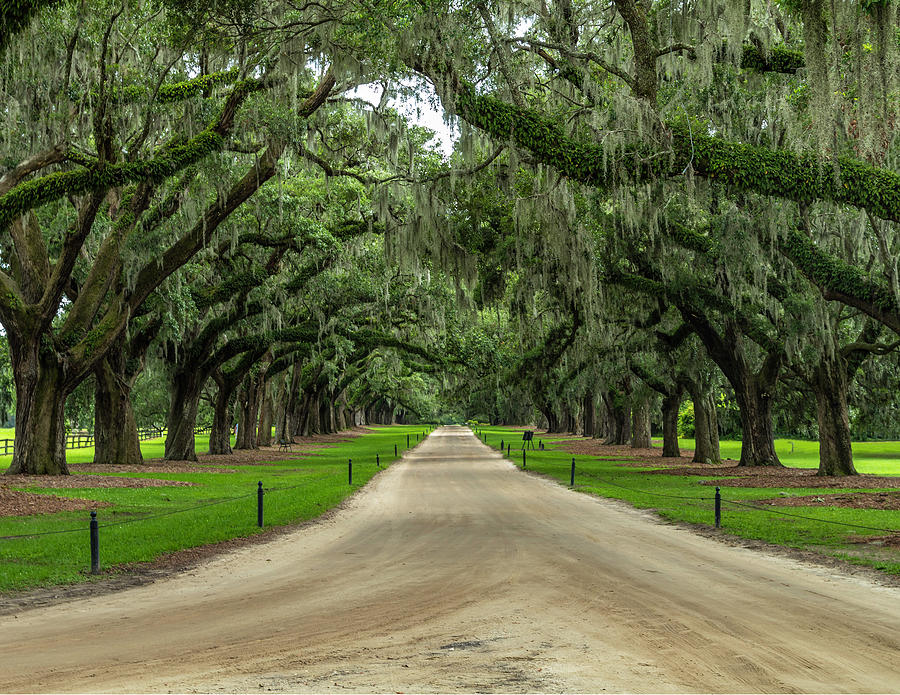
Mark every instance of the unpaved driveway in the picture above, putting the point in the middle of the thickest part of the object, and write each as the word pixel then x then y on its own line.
pixel 455 572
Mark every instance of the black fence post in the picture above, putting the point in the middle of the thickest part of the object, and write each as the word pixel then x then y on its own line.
pixel 407 441
pixel 259 505
pixel 377 461
pixel 95 544
pixel 523 459
pixel 501 445
pixel 718 508
pixel 508 448
pixel 350 470
pixel 572 481
pixel 395 451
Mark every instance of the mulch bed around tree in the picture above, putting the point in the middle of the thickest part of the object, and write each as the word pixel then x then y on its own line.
pixel 624 453
pixel 83 481
pixel 19 503
pixel 855 500
pixel 797 477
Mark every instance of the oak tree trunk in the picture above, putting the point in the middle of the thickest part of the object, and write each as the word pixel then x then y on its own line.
pixel 670 406
pixel 589 414
pixel 40 440
pixel 248 399
pixel 754 400
pixel 266 416
pixel 116 438
pixel 184 402
pixel 706 426
pixel 830 386
pixel 640 424
pixel 220 435
pixel 619 417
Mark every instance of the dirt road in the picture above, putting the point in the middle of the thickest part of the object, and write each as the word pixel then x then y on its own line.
pixel 453 571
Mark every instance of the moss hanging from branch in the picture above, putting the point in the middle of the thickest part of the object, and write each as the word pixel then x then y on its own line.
pixel 777 173
pixel 45 189
pixel 15 15
pixel 841 281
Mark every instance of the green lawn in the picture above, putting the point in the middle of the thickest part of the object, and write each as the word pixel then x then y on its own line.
pixel 684 499
pixel 877 458
pixel 144 523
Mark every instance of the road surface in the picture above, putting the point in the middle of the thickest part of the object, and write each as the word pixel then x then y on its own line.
pixel 453 571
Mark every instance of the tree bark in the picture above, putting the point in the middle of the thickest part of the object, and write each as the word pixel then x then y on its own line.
pixel 619 417
pixel 116 438
pixel 570 424
pixel 640 424
pixel 830 386
pixel 589 414
pixel 554 424
pixel 40 441
pixel 706 426
pixel 670 406
pixel 184 402
pixel 282 415
pixel 326 414
pixel 754 400
pixel 314 413
pixel 220 435
pixel 249 396
pixel 266 415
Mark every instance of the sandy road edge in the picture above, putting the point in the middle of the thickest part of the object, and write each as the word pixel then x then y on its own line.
pixel 123 577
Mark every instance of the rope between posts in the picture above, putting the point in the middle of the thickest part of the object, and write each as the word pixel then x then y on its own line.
pixel 645 492
pixel 174 511
pixel 809 518
pixel 739 504
pixel 154 516
pixel 41 533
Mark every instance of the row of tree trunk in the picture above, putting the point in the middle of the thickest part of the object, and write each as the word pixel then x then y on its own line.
pixel 622 417
pixel 294 405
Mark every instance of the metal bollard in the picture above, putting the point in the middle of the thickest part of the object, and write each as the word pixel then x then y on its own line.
pixel 95 544
pixel 718 508
pixel 508 448
pixel 501 445
pixel 572 481
pixel 259 505
pixel 523 459
pixel 350 470
pixel 407 441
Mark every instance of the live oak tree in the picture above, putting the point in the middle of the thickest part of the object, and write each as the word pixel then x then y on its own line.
pixel 83 188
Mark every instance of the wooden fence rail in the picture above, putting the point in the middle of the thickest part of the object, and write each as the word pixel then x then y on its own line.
pixel 84 440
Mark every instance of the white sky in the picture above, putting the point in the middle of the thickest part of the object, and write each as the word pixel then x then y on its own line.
pixel 420 112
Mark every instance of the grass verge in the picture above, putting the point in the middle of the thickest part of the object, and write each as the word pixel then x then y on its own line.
pixel 832 531
pixel 143 524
